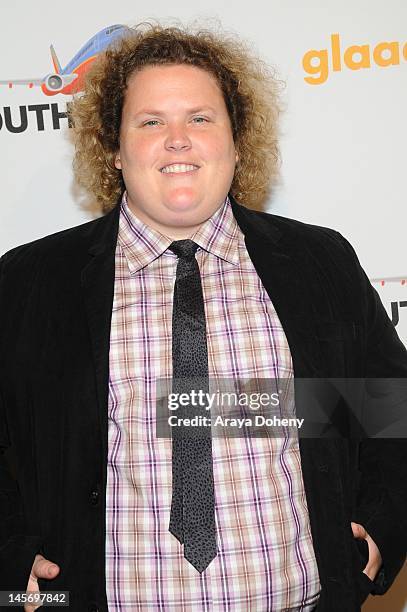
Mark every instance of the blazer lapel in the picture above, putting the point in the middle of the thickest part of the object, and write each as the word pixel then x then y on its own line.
pixel 281 268
pixel 97 280
pixel 285 268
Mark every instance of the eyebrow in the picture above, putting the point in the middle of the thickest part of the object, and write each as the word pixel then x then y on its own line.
pixel 192 111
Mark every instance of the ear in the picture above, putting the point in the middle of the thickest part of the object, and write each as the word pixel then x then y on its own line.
pixel 117 161
pixel 236 156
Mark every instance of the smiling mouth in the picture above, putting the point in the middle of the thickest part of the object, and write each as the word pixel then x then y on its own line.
pixel 178 168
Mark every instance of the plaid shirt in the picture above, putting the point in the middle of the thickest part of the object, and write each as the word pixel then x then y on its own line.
pixel 266 559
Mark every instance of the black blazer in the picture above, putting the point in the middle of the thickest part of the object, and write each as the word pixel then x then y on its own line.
pixel 55 311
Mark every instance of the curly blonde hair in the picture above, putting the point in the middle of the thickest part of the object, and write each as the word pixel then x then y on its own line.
pixel 250 90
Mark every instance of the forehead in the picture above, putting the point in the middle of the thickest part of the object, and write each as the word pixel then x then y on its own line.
pixel 178 80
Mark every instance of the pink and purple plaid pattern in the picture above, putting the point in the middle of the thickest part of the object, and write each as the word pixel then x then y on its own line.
pixel 266 558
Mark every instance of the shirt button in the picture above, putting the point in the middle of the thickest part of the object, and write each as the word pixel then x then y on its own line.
pixel 94 499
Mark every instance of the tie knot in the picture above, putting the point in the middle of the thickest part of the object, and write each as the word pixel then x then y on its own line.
pixel 184 249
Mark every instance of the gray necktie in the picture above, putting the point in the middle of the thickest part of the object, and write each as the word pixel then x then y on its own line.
pixel 192 519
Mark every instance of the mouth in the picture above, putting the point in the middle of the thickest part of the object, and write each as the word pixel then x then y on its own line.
pixel 179 168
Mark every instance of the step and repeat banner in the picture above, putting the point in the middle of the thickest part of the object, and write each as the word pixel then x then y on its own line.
pixel 343 131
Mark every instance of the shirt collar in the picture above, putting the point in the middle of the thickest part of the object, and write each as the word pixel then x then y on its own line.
pixel 141 244
pixel 219 235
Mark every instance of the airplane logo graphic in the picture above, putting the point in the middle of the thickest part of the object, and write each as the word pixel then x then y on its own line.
pixel 70 80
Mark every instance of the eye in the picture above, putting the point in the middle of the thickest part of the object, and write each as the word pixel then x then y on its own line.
pixel 199 119
pixel 151 122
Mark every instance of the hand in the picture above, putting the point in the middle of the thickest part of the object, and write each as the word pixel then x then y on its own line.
pixel 375 559
pixel 42 568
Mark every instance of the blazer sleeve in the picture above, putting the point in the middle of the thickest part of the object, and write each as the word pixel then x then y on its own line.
pixel 17 548
pixel 382 495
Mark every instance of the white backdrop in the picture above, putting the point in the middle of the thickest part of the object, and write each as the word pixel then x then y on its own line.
pixel 343 132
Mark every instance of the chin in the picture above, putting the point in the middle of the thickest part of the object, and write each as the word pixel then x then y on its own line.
pixel 183 207
pixel 181 217
pixel 181 200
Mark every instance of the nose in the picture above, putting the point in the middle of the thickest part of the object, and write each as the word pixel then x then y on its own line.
pixel 177 138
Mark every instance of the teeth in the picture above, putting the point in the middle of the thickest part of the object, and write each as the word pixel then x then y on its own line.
pixel 173 168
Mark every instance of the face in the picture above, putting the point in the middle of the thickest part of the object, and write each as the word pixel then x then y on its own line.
pixel 177 153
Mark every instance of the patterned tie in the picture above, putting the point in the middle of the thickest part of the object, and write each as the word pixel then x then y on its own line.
pixel 192 519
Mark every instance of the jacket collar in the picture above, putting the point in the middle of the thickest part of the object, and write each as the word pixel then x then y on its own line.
pixel 255 223
pixel 103 232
